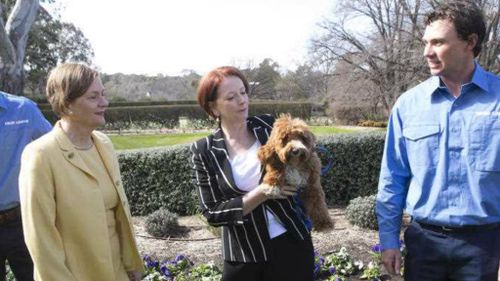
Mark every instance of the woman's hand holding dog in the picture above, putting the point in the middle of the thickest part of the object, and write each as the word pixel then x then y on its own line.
pixel 276 192
pixel 264 192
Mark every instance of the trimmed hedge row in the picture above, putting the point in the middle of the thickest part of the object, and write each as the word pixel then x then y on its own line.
pixel 155 178
pixel 168 115
pixel 44 105
pixel 356 166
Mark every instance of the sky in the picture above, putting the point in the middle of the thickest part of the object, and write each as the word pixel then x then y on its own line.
pixel 170 36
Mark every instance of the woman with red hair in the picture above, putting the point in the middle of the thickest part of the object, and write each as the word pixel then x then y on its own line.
pixel 263 234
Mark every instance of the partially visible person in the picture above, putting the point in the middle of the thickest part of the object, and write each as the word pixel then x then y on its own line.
pixel 76 219
pixel 265 234
pixel 20 123
pixel 442 159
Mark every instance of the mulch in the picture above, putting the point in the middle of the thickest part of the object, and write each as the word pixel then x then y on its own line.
pixel 198 242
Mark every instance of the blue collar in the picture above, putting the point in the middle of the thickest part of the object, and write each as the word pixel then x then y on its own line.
pixel 3 102
pixel 479 78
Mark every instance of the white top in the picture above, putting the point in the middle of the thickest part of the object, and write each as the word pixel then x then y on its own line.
pixel 246 168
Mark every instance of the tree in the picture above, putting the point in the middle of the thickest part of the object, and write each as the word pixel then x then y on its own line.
pixel 388 51
pixel 263 79
pixel 305 83
pixel 490 54
pixel 13 40
pixel 51 42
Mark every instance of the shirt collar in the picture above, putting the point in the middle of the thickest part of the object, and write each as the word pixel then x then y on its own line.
pixel 479 78
pixel 3 102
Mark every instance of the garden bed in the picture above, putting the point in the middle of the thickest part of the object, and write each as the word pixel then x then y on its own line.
pixel 202 246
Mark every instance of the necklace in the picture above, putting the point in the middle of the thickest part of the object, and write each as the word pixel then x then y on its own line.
pixel 71 139
pixel 84 147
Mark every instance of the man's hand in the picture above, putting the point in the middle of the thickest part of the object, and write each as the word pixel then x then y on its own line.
pixel 391 258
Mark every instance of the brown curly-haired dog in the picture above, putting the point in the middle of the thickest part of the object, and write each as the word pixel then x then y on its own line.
pixel 290 158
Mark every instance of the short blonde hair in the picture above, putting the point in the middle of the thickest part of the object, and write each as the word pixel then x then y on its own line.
pixel 66 83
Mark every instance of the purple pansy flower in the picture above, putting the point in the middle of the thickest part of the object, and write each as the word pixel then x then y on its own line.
pixel 376 248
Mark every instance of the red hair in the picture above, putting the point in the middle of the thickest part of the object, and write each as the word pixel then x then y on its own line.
pixel 209 84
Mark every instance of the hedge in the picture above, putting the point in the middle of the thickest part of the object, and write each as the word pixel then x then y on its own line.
pixel 356 165
pixel 155 178
pixel 161 177
pixel 148 116
pixel 44 105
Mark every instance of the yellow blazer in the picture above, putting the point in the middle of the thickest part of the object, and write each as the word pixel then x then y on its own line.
pixel 63 213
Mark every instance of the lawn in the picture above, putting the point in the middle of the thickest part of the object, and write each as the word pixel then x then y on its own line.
pixel 153 140
pixel 142 141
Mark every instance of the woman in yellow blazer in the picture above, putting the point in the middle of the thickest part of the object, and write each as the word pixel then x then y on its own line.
pixel 76 219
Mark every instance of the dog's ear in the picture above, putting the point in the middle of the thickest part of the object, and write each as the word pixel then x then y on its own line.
pixel 311 138
pixel 266 153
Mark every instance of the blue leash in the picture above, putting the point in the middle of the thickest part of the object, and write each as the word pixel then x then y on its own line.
pixel 329 157
pixel 324 170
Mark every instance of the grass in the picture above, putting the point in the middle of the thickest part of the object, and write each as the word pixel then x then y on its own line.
pixel 328 130
pixel 143 141
pixel 154 140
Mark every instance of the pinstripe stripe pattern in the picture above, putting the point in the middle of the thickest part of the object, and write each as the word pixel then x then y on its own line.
pixel 244 238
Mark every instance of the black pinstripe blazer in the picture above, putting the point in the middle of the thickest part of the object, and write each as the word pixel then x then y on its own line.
pixel 244 238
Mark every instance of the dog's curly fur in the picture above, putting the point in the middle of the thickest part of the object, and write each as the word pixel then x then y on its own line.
pixel 289 158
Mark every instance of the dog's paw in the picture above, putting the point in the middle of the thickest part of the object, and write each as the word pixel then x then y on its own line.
pixel 270 191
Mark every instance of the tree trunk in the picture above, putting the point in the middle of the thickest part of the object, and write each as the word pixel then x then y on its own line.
pixel 13 40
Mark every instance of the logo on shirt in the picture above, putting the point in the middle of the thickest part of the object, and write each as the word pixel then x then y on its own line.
pixel 16 122
pixel 488 113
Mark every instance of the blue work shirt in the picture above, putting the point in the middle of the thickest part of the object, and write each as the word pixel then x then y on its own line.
pixel 20 122
pixel 441 158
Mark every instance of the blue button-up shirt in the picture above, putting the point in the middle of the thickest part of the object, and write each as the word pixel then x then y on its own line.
pixel 20 123
pixel 441 158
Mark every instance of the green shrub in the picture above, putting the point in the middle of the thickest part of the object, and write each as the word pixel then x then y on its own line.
pixel 371 123
pixel 355 165
pixel 147 115
pixel 353 114
pixel 296 109
pixel 361 212
pixel 161 177
pixel 162 223
pixel 120 102
pixel 204 272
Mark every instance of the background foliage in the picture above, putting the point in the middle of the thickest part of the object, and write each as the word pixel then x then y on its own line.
pixel 361 212
pixel 167 116
pixel 161 177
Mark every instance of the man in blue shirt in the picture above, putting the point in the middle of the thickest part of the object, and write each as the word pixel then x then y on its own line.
pixel 441 160
pixel 20 123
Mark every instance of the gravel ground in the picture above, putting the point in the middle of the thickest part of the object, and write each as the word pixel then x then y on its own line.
pixel 200 245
